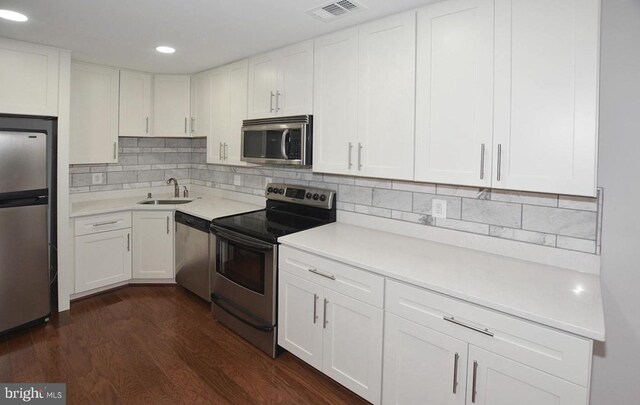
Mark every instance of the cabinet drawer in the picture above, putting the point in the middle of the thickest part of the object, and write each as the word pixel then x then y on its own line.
pixel 555 352
pixel 102 223
pixel 347 280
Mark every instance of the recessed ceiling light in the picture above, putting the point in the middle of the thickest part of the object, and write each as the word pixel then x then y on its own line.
pixel 12 15
pixel 165 49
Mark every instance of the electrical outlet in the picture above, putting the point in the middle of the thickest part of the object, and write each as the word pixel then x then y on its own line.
pixel 96 178
pixel 438 208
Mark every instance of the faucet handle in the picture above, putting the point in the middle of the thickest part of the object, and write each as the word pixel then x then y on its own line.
pixel 149 196
pixel 185 192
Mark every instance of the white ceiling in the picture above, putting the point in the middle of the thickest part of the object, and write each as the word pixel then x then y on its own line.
pixel 205 33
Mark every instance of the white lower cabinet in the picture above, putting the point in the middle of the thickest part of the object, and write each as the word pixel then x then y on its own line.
pixel 421 365
pixel 102 251
pixel 337 334
pixel 501 381
pixel 153 244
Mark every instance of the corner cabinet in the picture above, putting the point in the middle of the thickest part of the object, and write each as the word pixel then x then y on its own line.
pixel 281 82
pixel 29 77
pixel 93 122
pixel 364 96
pixel 228 110
pixel 171 105
pixel 330 316
pixel 102 250
pixel 153 244
pixel 201 104
pixel 135 103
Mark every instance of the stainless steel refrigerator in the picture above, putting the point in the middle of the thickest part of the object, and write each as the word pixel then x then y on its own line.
pixel 26 160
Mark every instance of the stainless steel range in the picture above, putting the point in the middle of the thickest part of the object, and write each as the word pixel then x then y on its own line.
pixel 244 259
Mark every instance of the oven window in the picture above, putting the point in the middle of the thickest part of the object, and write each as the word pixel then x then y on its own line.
pixel 243 266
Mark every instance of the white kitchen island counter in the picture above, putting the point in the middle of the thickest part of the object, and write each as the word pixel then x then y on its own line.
pixel 560 298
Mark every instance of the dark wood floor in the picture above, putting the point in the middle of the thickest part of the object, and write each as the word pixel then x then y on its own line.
pixel 157 345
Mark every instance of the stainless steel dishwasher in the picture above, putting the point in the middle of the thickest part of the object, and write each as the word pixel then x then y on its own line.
pixel 192 254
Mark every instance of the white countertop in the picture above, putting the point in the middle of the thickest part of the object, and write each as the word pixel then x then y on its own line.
pixel 205 207
pixel 564 299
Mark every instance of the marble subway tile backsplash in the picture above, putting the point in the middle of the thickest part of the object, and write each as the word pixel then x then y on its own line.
pixel 564 222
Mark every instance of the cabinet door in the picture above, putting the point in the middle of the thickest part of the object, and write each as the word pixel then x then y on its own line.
pixel 421 365
pixel 386 102
pixel 500 381
pixel 171 105
pixel 201 104
pixel 546 95
pixel 335 97
pixel 29 76
pixel 352 344
pixel 153 244
pixel 300 318
pixel 454 93
pixel 102 259
pixel 93 122
pixel 135 103
pixel 220 92
pixel 294 95
pixel 263 83
pixel 237 112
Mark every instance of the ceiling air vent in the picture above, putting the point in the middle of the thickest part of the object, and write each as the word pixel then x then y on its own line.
pixel 331 11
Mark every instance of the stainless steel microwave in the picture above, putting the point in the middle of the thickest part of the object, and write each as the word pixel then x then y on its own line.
pixel 278 140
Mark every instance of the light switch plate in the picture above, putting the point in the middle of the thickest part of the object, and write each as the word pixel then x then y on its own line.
pixel 438 208
pixel 96 178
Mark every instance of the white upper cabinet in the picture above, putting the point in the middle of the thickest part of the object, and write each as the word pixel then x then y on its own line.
pixel 94 114
pixel 135 103
pixel 335 96
pixel 546 95
pixel 29 76
pixel 281 82
pixel 386 97
pixel 364 97
pixel 171 105
pixel 201 104
pixel 228 109
pixel 454 93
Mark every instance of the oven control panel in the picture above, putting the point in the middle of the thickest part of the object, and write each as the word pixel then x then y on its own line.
pixel 314 197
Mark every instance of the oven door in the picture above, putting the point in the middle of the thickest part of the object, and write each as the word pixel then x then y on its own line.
pixel 277 144
pixel 244 284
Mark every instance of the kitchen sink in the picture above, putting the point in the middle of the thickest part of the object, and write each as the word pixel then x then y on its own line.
pixel 164 202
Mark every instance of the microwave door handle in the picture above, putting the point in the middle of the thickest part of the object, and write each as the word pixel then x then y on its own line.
pixel 283 145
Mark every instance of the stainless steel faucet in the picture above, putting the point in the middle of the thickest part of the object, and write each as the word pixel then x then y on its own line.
pixel 176 192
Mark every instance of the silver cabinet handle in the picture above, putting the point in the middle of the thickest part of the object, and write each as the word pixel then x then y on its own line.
pixel 482 162
pixel 105 223
pixel 225 151
pixel 457 322
pixel 455 372
pixel 220 151
pixel 324 314
pixel 359 156
pixel 147 125
pixel 499 161
pixel 115 149
pixel 350 149
pixel 329 276
pixel 167 224
pixel 128 242
pixel 185 125
pixel 315 307
pixel 271 101
pixel 277 101
pixel 474 383
pixel 193 124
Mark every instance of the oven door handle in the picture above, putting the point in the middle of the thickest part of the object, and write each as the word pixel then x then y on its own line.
pixel 218 300
pixel 248 242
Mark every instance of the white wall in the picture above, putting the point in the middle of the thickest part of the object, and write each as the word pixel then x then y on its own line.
pixel 616 369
